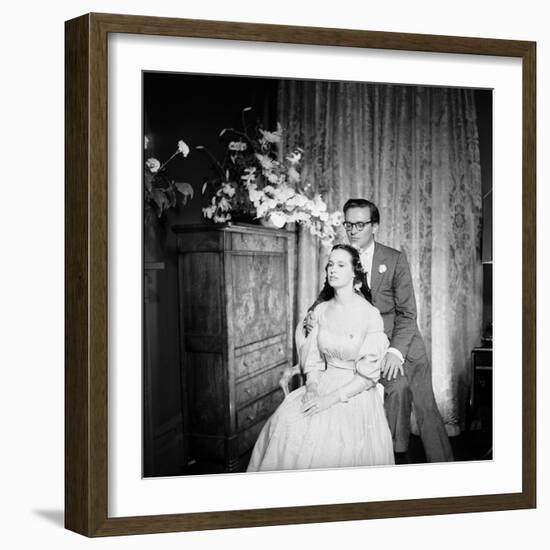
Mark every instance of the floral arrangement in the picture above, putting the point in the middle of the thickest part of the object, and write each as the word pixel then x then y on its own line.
pixel 161 191
pixel 255 179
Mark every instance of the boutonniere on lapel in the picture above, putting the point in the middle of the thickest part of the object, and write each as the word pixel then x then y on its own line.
pixel 382 268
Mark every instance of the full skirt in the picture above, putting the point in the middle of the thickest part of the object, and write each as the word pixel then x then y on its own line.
pixel 350 434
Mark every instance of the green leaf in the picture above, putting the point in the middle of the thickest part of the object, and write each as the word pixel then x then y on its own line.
pixel 159 198
pixel 148 180
pixel 186 191
pixel 171 196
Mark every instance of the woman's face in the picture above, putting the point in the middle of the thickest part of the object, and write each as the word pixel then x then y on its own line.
pixel 339 269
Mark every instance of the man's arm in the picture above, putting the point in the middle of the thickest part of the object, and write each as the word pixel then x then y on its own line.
pixel 404 327
pixel 404 324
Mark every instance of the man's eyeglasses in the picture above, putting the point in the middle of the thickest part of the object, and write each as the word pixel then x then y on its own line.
pixel 348 226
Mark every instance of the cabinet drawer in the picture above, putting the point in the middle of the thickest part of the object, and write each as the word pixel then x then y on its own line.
pixel 260 359
pixel 258 243
pixel 262 383
pixel 247 439
pixel 259 410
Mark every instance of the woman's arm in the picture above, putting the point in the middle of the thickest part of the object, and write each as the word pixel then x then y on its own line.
pixel 311 359
pixel 355 386
pixel 316 403
pixel 367 367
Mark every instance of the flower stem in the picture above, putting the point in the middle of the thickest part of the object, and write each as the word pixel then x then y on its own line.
pixel 163 165
pixel 243 135
pixel 212 158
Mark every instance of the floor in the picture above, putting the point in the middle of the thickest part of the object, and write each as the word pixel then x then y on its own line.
pixel 469 445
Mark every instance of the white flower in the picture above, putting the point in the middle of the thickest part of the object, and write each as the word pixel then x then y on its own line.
pixel 316 207
pixel 295 156
pixel 273 137
pixel 293 175
pixel 298 200
pixel 382 268
pixel 153 165
pixel 249 176
pixel 284 193
pixel 254 195
pixel 278 219
pixel 291 217
pixel 336 219
pixel 208 212
pixel 302 216
pixel 228 189
pixel 237 146
pixel 272 178
pixel 319 203
pixel 264 207
pixel 224 205
pixel 183 148
pixel 266 163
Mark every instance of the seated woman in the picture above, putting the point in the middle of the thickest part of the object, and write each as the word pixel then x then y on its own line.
pixel 337 419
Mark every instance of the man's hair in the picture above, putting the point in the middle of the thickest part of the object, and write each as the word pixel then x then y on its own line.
pixel 364 203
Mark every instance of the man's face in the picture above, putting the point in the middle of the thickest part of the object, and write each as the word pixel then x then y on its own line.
pixel 360 239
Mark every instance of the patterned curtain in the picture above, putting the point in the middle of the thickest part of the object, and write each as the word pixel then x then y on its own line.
pixel 414 152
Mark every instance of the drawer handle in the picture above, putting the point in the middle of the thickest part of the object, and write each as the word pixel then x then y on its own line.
pixel 250 417
pixel 247 391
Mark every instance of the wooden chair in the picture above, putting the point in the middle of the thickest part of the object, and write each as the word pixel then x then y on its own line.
pixel 288 373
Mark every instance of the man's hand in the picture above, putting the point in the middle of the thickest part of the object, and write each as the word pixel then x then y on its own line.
pixel 391 366
pixel 308 322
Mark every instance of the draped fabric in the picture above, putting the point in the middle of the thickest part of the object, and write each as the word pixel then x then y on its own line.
pixel 414 152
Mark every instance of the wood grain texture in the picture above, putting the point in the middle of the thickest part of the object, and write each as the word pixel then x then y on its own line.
pixel 87 282
pixel 232 304
pixel 257 291
pixel 529 273
pixel 77 460
pixel 261 32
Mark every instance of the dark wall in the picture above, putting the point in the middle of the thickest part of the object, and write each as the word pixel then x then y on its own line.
pixel 192 108
pixel 484 109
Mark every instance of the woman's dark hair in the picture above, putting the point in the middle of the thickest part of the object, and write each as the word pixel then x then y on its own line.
pixel 359 280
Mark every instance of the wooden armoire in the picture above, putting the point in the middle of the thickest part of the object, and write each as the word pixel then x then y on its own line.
pixel 235 334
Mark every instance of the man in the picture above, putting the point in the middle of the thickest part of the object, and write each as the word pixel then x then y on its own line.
pixel 405 370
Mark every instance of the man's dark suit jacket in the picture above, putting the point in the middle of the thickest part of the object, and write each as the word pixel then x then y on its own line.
pixel 393 294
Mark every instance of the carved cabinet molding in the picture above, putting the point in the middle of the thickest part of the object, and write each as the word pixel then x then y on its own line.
pixel 235 334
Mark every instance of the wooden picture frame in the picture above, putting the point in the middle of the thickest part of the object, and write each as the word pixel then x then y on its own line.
pixel 86 283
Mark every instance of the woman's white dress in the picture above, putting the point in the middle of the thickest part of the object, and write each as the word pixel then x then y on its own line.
pixel 352 433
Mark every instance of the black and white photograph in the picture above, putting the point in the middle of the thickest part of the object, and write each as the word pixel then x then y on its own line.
pixel 274 275
pixel 317 274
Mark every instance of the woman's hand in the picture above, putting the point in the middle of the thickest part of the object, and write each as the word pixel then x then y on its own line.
pixel 319 404
pixel 311 393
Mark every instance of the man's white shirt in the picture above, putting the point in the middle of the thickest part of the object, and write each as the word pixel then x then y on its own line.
pixel 366 260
